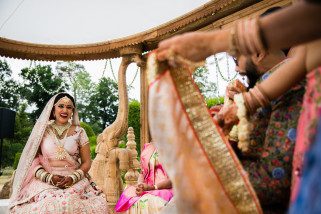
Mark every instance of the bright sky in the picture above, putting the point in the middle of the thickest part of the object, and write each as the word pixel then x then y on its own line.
pixel 96 68
pixel 85 21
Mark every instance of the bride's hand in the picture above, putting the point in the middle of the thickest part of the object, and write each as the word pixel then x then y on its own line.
pixel 65 183
pixel 57 179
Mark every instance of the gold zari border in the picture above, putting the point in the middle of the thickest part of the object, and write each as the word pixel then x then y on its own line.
pixel 225 163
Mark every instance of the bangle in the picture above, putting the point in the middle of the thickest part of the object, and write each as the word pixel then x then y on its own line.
pixel 155 187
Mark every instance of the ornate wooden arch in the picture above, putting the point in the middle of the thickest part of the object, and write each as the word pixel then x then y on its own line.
pixel 202 17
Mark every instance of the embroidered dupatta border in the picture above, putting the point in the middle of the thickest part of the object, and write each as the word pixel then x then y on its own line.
pixel 220 155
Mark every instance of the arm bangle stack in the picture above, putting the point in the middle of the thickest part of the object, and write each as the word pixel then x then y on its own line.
pixel 43 175
pixel 77 176
pixel 246 38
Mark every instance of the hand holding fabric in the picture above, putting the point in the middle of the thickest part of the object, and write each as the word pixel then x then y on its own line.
pixel 227 117
pixel 194 46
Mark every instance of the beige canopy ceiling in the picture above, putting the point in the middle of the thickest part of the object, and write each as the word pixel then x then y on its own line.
pixel 100 29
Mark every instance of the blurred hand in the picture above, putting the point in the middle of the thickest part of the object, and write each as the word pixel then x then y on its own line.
pixel 227 117
pixel 236 87
pixel 140 188
pixel 194 46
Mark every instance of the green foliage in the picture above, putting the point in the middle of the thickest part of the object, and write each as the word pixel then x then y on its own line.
pixel 32 90
pixel 93 140
pixel 214 101
pixel 23 127
pixel 81 85
pixel 134 121
pixel 92 151
pixel 122 144
pixel 207 88
pixel 16 160
pixel 8 152
pixel 9 98
pixel 103 103
pixel 97 129
pixel 89 131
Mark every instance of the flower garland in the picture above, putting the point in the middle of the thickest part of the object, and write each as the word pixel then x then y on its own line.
pixel 37 78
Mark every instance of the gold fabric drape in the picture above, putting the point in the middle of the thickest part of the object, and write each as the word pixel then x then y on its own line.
pixel 206 174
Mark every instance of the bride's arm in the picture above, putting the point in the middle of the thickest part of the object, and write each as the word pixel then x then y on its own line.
pixel 85 158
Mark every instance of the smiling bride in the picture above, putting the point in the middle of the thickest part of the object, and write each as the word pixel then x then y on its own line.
pixel 52 173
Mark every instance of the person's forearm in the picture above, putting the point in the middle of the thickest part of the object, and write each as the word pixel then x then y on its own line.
pixel 285 76
pixel 297 24
pixel 85 166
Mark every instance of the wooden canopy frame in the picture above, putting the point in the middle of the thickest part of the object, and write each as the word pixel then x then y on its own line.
pixel 202 17
pixel 212 15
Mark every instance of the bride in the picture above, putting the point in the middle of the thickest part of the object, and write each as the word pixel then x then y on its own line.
pixel 52 173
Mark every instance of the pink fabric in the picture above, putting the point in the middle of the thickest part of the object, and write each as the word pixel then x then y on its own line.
pixel 308 122
pixel 40 197
pixel 152 174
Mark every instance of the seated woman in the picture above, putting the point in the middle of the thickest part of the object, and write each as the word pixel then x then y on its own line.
pixel 154 188
pixel 52 172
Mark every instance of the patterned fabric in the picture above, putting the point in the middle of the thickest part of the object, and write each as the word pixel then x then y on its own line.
pixel 80 198
pixel 205 172
pixel 273 141
pixel 24 172
pixel 39 197
pixel 309 196
pixel 150 201
pixel 307 126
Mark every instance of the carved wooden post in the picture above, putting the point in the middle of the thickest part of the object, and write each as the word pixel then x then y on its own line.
pixel 110 159
pixel 132 174
pixel 144 129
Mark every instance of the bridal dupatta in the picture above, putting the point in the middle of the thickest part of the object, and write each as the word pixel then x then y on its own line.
pixel 25 170
pixel 206 174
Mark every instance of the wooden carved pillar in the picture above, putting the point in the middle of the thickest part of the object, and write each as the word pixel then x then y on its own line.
pixel 111 160
pixel 144 128
pixel 132 174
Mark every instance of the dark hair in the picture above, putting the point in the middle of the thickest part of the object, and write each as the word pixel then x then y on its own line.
pixel 58 97
pixel 270 11
pixel 251 73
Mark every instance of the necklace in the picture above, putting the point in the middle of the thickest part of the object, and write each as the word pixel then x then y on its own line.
pixel 60 153
pixel 60 128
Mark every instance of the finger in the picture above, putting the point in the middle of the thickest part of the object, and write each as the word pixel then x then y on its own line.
pixel 166 43
pixel 162 55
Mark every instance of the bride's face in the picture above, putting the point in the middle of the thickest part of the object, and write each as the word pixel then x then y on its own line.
pixel 63 110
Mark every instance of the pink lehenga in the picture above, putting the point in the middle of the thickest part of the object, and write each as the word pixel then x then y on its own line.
pixel 206 174
pixel 150 201
pixel 30 195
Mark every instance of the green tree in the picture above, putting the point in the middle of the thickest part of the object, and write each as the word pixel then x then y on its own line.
pixel 22 130
pixel 103 105
pixel 207 88
pixel 9 88
pixel 40 84
pixel 134 121
pixel 214 101
pixel 81 84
